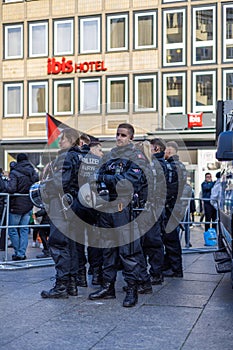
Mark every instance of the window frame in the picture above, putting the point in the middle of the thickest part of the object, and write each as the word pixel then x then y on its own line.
pixel 108 93
pixel 182 45
pixel 30 39
pixel 207 43
pixel 108 41
pixel 224 40
pixel 55 41
pixel 137 78
pixel 30 86
pixel 207 108
pixel 224 84
pixel 12 84
pixel 82 81
pixel 6 28
pixel 174 110
pixel 56 83
pixel 136 17
pixel 82 20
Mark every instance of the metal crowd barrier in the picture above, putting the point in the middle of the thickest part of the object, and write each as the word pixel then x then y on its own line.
pixel 4 224
pixel 35 262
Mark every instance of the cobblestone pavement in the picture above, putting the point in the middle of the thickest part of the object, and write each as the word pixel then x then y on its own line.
pixel 190 313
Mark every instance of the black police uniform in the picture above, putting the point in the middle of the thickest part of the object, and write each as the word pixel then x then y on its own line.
pixel 177 177
pixel 152 241
pixel 122 173
pixel 88 166
pixel 62 227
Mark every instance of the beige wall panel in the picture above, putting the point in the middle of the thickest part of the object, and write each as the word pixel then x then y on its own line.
pixel 117 62
pixel 145 60
pixel 62 8
pixel 143 123
pixel 13 69
pixel 37 68
pixel 38 9
pixel 90 124
pixel 145 3
pixel 12 128
pixel 86 7
pixel 13 12
pixel 111 5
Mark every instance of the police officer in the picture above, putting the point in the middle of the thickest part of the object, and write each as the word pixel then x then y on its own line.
pixel 176 180
pixel 122 173
pixel 90 162
pixel 61 189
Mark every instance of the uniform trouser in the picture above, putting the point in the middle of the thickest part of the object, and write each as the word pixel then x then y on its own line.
pixel 152 245
pixel 119 231
pixel 62 249
pixel 210 215
pixel 173 251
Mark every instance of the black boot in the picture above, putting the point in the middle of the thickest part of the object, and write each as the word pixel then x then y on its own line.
pixel 57 292
pixel 157 279
pixel 145 288
pixel 82 278
pixel 107 291
pixel 131 297
pixel 72 287
pixel 97 276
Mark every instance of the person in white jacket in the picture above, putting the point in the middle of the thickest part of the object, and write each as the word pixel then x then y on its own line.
pixel 215 196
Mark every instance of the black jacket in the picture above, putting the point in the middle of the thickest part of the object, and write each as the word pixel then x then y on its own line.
pixel 176 179
pixel 20 180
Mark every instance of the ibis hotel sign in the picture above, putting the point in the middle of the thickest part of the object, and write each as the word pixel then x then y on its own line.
pixel 68 66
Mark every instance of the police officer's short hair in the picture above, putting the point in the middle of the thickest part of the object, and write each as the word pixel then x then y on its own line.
pixel 127 126
pixel 173 144
pixel 159 142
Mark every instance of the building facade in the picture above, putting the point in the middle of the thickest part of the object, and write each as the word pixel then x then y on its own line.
pixel 94 64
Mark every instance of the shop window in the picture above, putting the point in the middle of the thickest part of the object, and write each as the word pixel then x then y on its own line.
pixel 117 94
pixel 117 32
pixel 204 91
pixel 38 39
pixel 63 37
pixel 227 33
pixel 204 35
pixel 63 97
pixel 174 39
pixel 13 41
pixel 13 100
pixel 145 30
pixel 174 93
pixel 89 29
pixel 38 98
pixel 89 96
pixel 145 93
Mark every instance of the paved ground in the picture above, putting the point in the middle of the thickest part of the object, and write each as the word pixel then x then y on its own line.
pixel 190 313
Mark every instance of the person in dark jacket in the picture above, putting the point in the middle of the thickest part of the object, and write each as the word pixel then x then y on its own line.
pixel 43 232
pixel 61 188
pixel 210 211
pixel 122 173
pixel 22 176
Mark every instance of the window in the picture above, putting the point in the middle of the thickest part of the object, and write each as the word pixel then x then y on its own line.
pixel 145 93
pixel 38 98
pixel 228 84
pixel 38 39
pixel 204 35
pixel 228 33
pixel 145 30
pixel 174 39
pixel 174 89
pixel 63 97
pixel 63 37
pixel 13 1
pixel 14 41
pixel 204 91
pixel 117 33
pixel 117 95
pixel 13 100
pixel 89 34
pixel 89 95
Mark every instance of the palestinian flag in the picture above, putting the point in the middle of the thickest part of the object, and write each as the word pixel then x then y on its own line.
pixel 54 129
